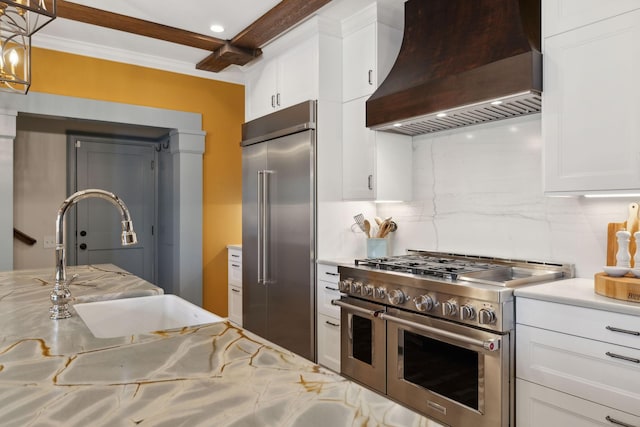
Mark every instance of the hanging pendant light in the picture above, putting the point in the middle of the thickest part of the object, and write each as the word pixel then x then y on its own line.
pixel 19 20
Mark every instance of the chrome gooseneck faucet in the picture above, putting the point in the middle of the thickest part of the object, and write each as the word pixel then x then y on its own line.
pixel 60 296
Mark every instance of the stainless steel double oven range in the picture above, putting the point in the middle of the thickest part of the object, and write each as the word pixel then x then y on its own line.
pixel 435 331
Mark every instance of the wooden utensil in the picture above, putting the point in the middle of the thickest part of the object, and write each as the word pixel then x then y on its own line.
pixel 385 228
pixel 367 228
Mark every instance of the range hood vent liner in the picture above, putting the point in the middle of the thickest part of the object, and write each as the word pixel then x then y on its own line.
pixel 461 63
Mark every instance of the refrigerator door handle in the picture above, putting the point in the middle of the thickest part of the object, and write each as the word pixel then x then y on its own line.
pixel 263 227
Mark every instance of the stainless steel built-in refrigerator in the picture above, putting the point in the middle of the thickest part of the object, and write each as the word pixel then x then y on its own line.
pixel 278 227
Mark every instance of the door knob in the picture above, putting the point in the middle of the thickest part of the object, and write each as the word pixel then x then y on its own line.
pixel 83 246
pixel 83 233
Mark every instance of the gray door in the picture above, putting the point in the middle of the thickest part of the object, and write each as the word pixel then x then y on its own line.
pixel 126 169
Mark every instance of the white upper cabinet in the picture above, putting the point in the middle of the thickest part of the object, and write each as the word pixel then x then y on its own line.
pixel 291 72
pixel 371 43
pixel 590 108
pixel 564 15
pixel 376 165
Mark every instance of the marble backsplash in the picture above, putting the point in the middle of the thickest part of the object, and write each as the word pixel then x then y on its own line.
pixel 479 190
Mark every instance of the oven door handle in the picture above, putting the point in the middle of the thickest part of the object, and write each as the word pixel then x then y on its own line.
pixel 355 308
pixel 491 345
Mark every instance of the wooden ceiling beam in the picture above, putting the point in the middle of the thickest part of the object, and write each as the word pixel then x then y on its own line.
pixel 244 47
pixel 240 50
pixel 115 21
pixel 280 18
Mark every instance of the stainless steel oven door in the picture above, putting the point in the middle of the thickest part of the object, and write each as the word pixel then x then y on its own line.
pixel 455 374
pixel 363 342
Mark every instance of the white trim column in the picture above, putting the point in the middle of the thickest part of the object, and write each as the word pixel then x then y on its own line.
pixel 187 148
pixel 7 136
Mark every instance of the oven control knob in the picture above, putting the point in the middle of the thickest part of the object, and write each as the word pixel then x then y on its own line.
pixel 396 297
pixel 345 285
pixel 467 312
pixel 356 287
pixel 486 316
pixel 367 290
pixel 423 303
pixel 449 308
pixel 381 293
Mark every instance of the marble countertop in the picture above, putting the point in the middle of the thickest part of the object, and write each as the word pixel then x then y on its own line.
pixel 57 373
pixel 578 292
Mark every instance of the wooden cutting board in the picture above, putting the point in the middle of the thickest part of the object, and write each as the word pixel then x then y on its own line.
pixel 625 288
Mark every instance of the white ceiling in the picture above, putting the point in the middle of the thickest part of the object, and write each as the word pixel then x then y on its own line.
pixel 192 15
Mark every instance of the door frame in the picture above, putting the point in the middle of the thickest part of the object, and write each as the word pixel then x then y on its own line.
pixel 180 256
pixel 72 186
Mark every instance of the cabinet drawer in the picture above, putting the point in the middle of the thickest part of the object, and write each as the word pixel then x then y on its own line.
pixel 235 273
pixel 326 292
pixel 328 273
pixel 329 342
pixel 615 328
pixel 540 406
pixel 234 255
pixel 593 370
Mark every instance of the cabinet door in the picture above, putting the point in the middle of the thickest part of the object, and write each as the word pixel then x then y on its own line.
pixel 564 15
pixel 329 342
pixel 261 90
pixel 540 406
pixel 359 63
pixel 358 146
pixel 591 109
pixel 235 305
pixel 298 74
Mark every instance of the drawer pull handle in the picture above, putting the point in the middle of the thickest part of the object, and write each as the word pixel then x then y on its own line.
pixel 331 289
pixel 235 265
pixel 624 331
pixel 331 323
pixel 331 274
pixel 235 256
pixel 618 356
pixel 620 423
pixel 235 290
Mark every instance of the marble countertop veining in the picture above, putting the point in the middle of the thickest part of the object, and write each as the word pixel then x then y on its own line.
pixel 57 373
pixel 578 292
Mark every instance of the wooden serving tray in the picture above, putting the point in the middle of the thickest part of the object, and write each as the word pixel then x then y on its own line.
pixel 625 288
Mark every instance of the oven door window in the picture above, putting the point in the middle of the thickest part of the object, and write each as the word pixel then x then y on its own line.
pixel 451 371
pixel 362 339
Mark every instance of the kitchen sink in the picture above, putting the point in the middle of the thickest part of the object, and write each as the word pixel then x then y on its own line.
pixel 130 316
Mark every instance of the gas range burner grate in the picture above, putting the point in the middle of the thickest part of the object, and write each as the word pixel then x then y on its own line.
pixel 445 268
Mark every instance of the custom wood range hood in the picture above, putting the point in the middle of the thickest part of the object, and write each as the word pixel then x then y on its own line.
pixel 461 63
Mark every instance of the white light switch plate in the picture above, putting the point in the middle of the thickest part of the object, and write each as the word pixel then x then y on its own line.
pixel 49 242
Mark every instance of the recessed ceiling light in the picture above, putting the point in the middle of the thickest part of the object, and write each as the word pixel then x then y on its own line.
pixel 441 115
pixel 217 28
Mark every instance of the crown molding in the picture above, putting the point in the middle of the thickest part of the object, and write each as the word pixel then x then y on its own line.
pixel 232 75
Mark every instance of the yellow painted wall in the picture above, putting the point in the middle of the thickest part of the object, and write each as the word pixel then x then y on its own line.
pixel 222 107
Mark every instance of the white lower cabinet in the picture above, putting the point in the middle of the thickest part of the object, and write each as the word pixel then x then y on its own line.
pixel 235 285
pixel 539 406
pixel 329 342
pixel 328 317
pixel 576 366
